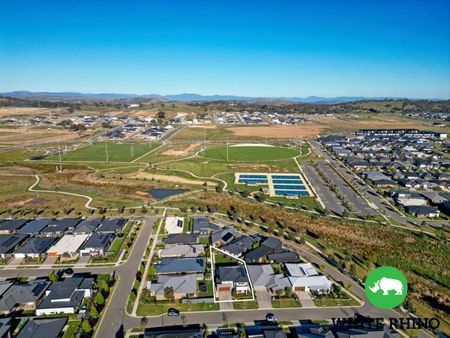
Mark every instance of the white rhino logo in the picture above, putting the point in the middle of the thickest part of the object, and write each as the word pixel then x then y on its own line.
pixel 386 285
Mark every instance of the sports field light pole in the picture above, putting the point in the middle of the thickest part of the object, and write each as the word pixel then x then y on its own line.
pixel 227 149
pixel 59 153
pixel 204 142
pixel 106 150
pixel 132 149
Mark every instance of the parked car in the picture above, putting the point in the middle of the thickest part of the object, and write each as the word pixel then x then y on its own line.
pixel 270 317
pixel 173 312
pixel 68 271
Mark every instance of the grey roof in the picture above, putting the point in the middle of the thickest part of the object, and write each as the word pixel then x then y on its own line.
pixel 12 224
pixel 112 225
pixel 235 274
pixel 202 224
pixel 181 239
pixel 272 243
pixel 4 286
pixel 9 242
pixel 98 240
pixel 22 293
pixel 5 327
pixel 224 235
pixel 34 226
pixel 36 245
pixel 43 328
pixel 240 245
pixel 284 257
pixel 263 275
pixel 185 284
pixel 60 225
pixel 66 293
pixel 87 225
pixel 180 265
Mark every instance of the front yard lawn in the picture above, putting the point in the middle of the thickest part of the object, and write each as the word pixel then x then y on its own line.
pixel 249 304
pixel 155 309
pixel 285 302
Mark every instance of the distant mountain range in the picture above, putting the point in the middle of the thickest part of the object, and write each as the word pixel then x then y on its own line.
pixel 185 97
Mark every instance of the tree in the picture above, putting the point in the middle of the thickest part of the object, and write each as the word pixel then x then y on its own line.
pixel 99 299
pixel 103 286
pixel 168 293
pixel 86 327
pixel 143 210
pixel 93 313
pixel 53 277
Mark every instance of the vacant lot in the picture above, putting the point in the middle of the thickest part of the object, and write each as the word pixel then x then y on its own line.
pixel 32 136
pixel 249 153
pixel 279 132
pixel 116 152
pixel 9 111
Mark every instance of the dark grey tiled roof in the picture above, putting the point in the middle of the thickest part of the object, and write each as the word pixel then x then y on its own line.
pixel 235 274
pixel 12 224
pixel 43 328
pixel 61 225
pixel 9 242
pixel 34 226
pixel 36 245
pixel 98 240
pixel 87 226
pixel 23 293
pixel 181 239
pixel 180 265
pixel 112 225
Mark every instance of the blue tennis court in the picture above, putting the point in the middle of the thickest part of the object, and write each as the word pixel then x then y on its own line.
pixel 291 193
pixel 278 181
pixel 287 177
pixel 253 176
pixel 289 187
pixel 252 181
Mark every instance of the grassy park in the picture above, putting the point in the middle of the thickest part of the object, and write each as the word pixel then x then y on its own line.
pixel 107 152
pixel 249 153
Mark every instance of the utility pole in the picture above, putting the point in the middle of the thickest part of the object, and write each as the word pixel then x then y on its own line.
pixel 204 142
pixel 106 149
pixel 227 149
pixel 59 153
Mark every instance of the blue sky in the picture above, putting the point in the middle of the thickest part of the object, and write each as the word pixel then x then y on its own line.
pixel 257 48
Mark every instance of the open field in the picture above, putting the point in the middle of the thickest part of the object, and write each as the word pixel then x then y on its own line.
pixel 117 152
pixel 31 136
pixel 280 132
pixel 16 111
pixel 249 153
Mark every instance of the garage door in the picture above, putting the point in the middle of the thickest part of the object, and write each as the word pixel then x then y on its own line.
pixel 224 288
pixel 299 288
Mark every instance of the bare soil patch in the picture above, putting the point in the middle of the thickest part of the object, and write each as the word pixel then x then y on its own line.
pixel 282 132
pixel 181 150
pixel 10 111
pixel 29 136
pixel 168 178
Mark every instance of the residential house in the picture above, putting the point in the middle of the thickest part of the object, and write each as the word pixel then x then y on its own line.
pixel 43 328
pixel 202 225
pixel 65 296
pixel 304 277
pixel 232 277
pixel 183 286
pixel 264 278
pixel 181 250
pixel 268 246
pixel 35 226
pixel 34 247
pixel 284 257
pixel 181 239
pixel 23 296
pixel 9 243
pixel 68 244
pixel 178 266
pixel 423 211
pixel 9 226
pixel 223 236
pixel 87 226
pixel 112 225
pixel 174 225
pixel 97 245
pixel 434 198
pixel 60 226
pixel 241 245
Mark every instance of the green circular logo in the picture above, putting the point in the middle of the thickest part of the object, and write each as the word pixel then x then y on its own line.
pixel 386 287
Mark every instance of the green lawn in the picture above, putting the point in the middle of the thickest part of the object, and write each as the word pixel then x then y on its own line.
pixel 249 153
pixel 335 302
pixel 285 302
pixel 155 309
pixel 72 328
pixel 250 304
pixel 117 152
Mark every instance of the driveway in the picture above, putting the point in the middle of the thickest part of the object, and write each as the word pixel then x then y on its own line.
pixel 263 298
pixel 223 297
pixel 305 298
pixel 82 261
pixel 50 261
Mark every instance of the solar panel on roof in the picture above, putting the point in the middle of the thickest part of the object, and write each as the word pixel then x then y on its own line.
pixel 39 288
